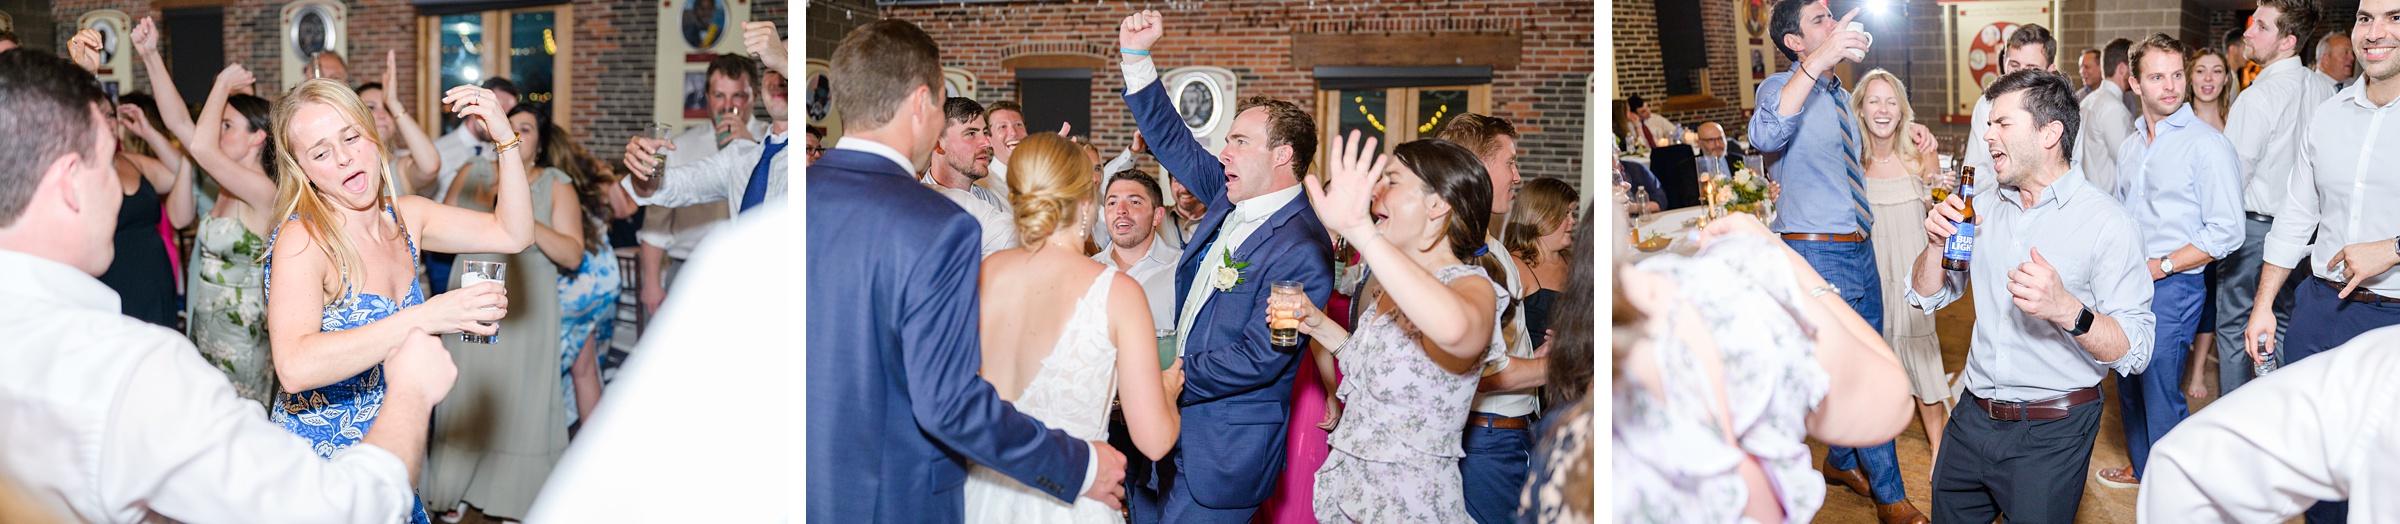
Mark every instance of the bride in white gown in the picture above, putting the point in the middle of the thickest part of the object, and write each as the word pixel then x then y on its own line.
pixel 1060 331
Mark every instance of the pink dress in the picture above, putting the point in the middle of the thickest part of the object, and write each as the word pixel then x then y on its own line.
pixel 1304 443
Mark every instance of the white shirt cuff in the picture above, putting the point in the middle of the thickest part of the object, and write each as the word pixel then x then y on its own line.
pixel 1139 75
pixel 1091 470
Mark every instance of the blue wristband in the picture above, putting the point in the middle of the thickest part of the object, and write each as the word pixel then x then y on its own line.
pixel 1131 51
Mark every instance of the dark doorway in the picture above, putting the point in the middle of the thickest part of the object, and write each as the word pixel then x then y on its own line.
pixel 196 52
pixel 1053 96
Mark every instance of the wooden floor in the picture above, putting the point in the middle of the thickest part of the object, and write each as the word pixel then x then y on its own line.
pixel 2101 504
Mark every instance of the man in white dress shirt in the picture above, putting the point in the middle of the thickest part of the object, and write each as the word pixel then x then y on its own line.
pixel 2335 63
pixel 2311 431
pixel 2341 193
pixel 961 158
pixel 1006 122
pixel 110 419
pixel 2106 123
pixel 1132 215
pixel 2029 48
pixel 2268 124
pixel 745 173
pixel 668 234
pixel 470 142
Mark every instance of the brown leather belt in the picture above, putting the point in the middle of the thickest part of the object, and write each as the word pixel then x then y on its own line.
pixel 1481 421
pixel 2052 408
pixel 1815 237
pixel 2359 295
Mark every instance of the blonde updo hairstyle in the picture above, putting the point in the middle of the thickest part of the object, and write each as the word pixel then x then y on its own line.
pixel 1049 183
pixel 295 194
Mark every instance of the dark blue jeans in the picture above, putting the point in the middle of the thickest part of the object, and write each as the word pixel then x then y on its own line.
pixel 1494 471
pixel 2332 322
pixel 2153 399
pixel 1851 267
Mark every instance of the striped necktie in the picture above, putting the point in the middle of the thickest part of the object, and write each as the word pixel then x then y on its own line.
pixel 1851 167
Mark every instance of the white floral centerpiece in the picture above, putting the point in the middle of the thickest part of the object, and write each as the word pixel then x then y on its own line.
pixel 1744 192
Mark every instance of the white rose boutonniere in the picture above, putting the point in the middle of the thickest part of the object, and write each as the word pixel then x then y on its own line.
pixel 1230 274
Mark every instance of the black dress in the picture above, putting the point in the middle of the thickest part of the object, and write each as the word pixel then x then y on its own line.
pixel 145 284
pixel 1537 314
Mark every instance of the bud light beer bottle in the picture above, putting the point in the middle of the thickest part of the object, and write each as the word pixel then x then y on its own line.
pixel 1961 246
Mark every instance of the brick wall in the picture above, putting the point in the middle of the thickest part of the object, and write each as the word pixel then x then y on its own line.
pixel 612 89
pixel 32 22
pixel 830 20
pixel 64 14
pixel 1543 95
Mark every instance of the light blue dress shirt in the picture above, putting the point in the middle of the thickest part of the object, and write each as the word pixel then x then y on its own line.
pixel 1814 155
pixel 2093 244
pixel 2182 187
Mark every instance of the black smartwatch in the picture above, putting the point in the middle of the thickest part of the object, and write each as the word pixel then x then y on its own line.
pixel 2083 323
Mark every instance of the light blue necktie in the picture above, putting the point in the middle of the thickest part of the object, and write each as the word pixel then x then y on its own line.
pixel 1850 166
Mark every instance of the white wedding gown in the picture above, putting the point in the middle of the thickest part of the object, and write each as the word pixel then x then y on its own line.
pixel 1071 393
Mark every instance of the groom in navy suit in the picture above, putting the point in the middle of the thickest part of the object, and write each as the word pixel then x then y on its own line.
pixel 1259 229
pixel 896 412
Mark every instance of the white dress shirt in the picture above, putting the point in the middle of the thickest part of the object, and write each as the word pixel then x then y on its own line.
pixel 726 334
pixel 2318 429
pixel 458 148
pixel 1659 127
pixel 680 229
pixel 2267 124
pixel 1122 162
pixel 1156 272
pixel 1509 340
pixel 109 419
pixel 999 228
pixel 721 177
pixel 2342 191
pixel 2106 123
pixel 997 182
pixel 1246 217
pixel 1979 153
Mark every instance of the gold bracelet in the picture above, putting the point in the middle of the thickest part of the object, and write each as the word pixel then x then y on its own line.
pixel 512 144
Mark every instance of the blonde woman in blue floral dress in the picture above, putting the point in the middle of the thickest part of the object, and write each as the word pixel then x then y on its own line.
pixel 1409 372
pixel 346 259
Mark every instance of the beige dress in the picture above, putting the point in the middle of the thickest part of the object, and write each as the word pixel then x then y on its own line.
pixel 1899 205
pixel 502 429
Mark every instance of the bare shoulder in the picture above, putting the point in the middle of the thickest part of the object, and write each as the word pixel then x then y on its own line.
pixel 292 238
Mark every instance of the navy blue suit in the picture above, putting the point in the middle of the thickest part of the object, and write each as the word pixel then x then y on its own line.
pixel 896 412
pixel 1237 395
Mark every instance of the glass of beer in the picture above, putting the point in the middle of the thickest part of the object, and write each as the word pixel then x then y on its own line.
pixel 1283 313
pixel 474 272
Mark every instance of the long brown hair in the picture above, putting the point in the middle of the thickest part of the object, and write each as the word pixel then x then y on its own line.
pixel 296 195
pixel 1542 206
pixel 2191 75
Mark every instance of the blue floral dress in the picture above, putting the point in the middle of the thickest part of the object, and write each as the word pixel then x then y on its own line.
pixel 338 415
pixel 587 301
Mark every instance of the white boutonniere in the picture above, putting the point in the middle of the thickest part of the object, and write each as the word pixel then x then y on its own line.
pixel 1230 274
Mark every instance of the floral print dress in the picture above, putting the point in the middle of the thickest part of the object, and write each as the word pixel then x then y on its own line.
pixel 229 305
pixel 1396 448
pixel 1673 461
pixel 338 415
pixel 587 302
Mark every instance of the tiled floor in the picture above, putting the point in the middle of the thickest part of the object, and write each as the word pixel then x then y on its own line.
pixel 2101 504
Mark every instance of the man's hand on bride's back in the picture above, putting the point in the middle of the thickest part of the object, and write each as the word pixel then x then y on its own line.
pixel 1110 487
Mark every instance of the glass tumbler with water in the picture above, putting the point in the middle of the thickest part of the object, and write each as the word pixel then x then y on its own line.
pixel 474 272
pixel 658 157
pixel 1283 313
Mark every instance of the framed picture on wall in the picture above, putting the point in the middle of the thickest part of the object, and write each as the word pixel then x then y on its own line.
pixel 1975 33
pixel 111 35
pixel 703 23
pixel 312 30
pixel 695 94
